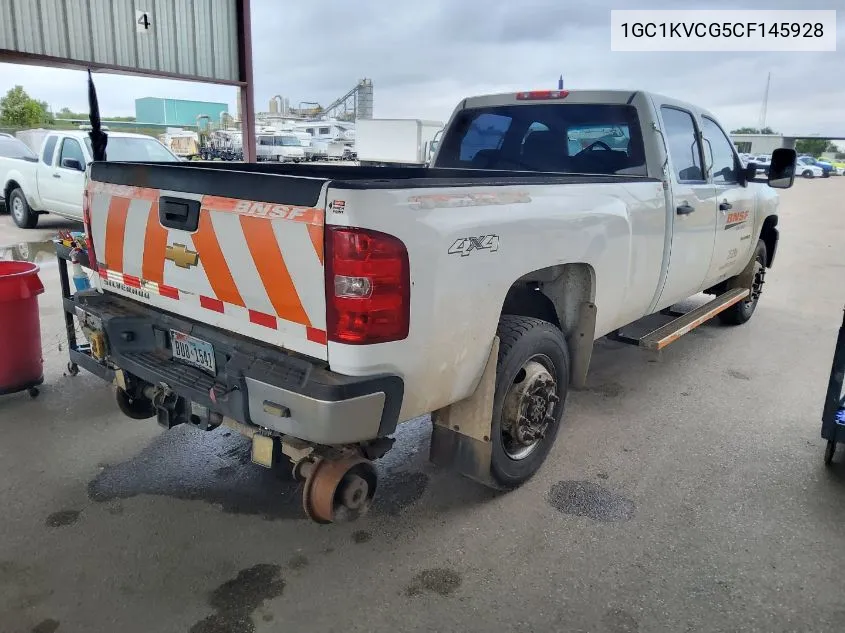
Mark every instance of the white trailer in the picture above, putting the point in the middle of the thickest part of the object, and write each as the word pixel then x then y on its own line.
pixel 395 141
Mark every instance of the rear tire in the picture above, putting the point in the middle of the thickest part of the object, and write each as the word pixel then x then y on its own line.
pixel 21 212
pixel 532 378
pixel 741 312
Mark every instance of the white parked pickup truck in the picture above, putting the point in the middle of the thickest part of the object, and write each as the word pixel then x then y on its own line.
pixel 314 308
pixel 55 182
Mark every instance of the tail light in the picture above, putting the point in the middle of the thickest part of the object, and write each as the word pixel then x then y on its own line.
pixel 86 219
pixel 368 287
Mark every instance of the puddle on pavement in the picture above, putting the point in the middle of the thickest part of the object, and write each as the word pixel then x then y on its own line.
pixel 215 467
pixel 588 499
pixel 43 253
pixel 235 600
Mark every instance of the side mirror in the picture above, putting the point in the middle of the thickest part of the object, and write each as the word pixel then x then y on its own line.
pixel 782 169
pixel 749 173
pixel 72 163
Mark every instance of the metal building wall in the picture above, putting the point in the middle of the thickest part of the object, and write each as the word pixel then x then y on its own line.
pixel 191 38
pixel 177 112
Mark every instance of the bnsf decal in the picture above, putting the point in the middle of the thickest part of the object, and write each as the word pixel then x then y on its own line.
pixel 465 245
pixel 265 210
pixel 737 217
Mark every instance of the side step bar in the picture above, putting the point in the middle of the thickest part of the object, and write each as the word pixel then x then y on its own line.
pixel 675 329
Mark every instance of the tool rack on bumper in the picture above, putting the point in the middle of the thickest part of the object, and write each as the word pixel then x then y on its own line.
pixel 80 353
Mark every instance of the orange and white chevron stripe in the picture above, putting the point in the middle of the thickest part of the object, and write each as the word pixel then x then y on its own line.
pixel 258 268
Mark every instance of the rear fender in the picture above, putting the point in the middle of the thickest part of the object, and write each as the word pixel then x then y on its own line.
pixel 570 289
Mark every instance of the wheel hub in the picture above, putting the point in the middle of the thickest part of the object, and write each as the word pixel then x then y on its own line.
pixel 528 409
pixel 757 282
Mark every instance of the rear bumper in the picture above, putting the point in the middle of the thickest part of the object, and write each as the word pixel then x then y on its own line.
pixel 255 383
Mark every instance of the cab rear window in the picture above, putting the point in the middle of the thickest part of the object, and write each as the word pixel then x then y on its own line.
pixel 560 138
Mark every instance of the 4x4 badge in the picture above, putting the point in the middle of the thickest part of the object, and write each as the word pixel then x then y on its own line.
pixel 465 245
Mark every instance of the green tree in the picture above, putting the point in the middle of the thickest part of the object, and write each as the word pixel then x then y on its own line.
pixel 67 113
pixel 18 109
pixel 753 130
pixel 814 146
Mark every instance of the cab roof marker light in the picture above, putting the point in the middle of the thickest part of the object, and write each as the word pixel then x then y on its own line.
pixel 541 95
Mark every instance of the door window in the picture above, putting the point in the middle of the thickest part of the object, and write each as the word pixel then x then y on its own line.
pixel 682 141
pixel 71 149
pixel 49 150
pixel 722 159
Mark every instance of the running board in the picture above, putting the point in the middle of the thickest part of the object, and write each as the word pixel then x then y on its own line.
pixel 675 329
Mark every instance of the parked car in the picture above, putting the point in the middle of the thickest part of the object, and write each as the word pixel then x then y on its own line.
pixel 763 162
pixel 54 181
pixel 10 147
pixel 346 300
pixel 839 167
pixel 826 167
pixel 809 171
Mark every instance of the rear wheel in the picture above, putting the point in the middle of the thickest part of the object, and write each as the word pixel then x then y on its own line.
pixel 532 377
pixel 808 173
pixel 741 312
pixel 21 212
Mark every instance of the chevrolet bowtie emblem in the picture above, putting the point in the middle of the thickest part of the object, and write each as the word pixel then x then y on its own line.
pixel 181 256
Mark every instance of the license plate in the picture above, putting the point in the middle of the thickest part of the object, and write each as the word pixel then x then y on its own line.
pixel 193 351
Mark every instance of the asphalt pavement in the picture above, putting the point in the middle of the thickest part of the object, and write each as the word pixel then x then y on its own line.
pixel 686 492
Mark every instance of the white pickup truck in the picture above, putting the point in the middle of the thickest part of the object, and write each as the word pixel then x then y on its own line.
pixel 313 308
pixel 55 182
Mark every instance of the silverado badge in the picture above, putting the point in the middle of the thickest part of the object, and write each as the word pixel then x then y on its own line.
pixel 181 256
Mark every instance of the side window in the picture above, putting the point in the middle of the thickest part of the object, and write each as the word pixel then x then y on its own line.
pixel 486 132
pixel 721 152
pixel 71 149
pixel 684 148
pixel 49 150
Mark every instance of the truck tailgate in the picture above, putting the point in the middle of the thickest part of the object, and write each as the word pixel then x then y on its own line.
pixel 254 267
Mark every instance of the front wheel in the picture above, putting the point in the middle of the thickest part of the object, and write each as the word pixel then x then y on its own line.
pixel 741 312
pixel 21 212
pixel 532 378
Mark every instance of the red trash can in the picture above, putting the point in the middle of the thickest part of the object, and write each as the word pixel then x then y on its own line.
pixel 21 363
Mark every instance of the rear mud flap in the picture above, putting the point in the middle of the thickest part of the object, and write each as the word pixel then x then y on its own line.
pixel 461 432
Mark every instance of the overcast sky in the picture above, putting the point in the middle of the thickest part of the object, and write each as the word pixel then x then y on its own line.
pixel 424 57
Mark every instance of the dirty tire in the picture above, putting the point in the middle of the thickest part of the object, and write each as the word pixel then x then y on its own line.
pixel 521 338
pixel 22 214
pixel 829 452
pixel 741 312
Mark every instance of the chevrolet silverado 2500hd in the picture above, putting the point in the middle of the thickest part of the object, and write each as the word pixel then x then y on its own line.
pixel 313 308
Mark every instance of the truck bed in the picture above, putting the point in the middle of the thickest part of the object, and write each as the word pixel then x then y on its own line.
pixel 302 183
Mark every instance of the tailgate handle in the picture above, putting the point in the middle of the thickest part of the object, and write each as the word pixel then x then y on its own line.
pixel 179 213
